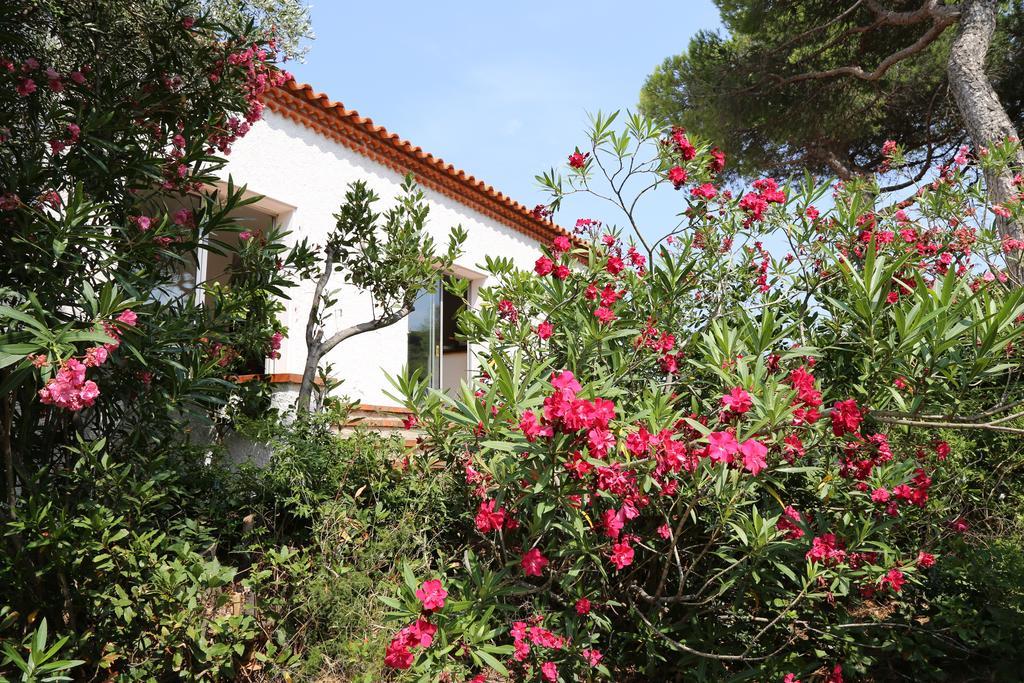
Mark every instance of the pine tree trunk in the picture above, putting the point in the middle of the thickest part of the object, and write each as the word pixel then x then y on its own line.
pixel 983 114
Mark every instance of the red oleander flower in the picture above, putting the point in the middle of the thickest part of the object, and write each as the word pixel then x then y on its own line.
pixel 543 266
pixel 622 555
pixel 25 87
pixel 893 578
pixel 846 417
pixel 789 523
pixel 604 314
pixel 677 174
pixel 826 550
pixel 717 162
pixel 533 562
pixel 488 519
pixel 398 655
pixel 578 159
pixel 704 191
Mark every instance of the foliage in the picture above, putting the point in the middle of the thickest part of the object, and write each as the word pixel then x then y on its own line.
pixel 349 508
pixel 695 455
pixel 38 663
pixel 973 600
pixel 287 22
pixel 742 87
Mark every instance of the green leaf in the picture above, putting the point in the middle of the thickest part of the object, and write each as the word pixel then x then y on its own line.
pixel 491 661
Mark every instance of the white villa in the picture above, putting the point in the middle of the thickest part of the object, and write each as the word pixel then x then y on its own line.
pixel 301 158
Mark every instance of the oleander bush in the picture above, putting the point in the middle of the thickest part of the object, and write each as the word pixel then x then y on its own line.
pixel 724 454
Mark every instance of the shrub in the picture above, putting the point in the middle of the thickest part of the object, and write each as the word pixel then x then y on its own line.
pixel 350 509
pixel 112 116
pixel 690 455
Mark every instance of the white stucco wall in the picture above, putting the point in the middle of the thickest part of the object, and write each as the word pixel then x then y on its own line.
pixel 295 166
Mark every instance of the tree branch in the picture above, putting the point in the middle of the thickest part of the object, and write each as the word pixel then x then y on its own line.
pixel 321 283
pixel 939 25
pixel 931 9
pixel 910 422
pixel 369 326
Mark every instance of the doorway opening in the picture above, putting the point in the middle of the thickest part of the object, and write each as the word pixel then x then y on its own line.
pixel 434 348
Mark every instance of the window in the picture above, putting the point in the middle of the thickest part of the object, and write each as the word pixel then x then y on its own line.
pixel 433 346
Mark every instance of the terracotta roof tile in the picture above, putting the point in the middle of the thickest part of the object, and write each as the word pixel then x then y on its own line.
pixel 317 111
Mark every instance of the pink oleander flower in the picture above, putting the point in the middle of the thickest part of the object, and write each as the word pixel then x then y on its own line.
pixel 566 381
pixel 722 446
pixel 432 595
pixel 737 401
pixel 69 389
pixel 753 453
pixel 128 317
pixel 95 356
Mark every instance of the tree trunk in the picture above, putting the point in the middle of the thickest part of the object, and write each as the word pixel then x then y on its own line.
pixel 983 114
pixel 313 356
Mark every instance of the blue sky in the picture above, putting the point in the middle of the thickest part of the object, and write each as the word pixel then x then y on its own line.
pixel 501 90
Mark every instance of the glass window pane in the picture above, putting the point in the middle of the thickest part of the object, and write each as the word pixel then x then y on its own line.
pixel 424 336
